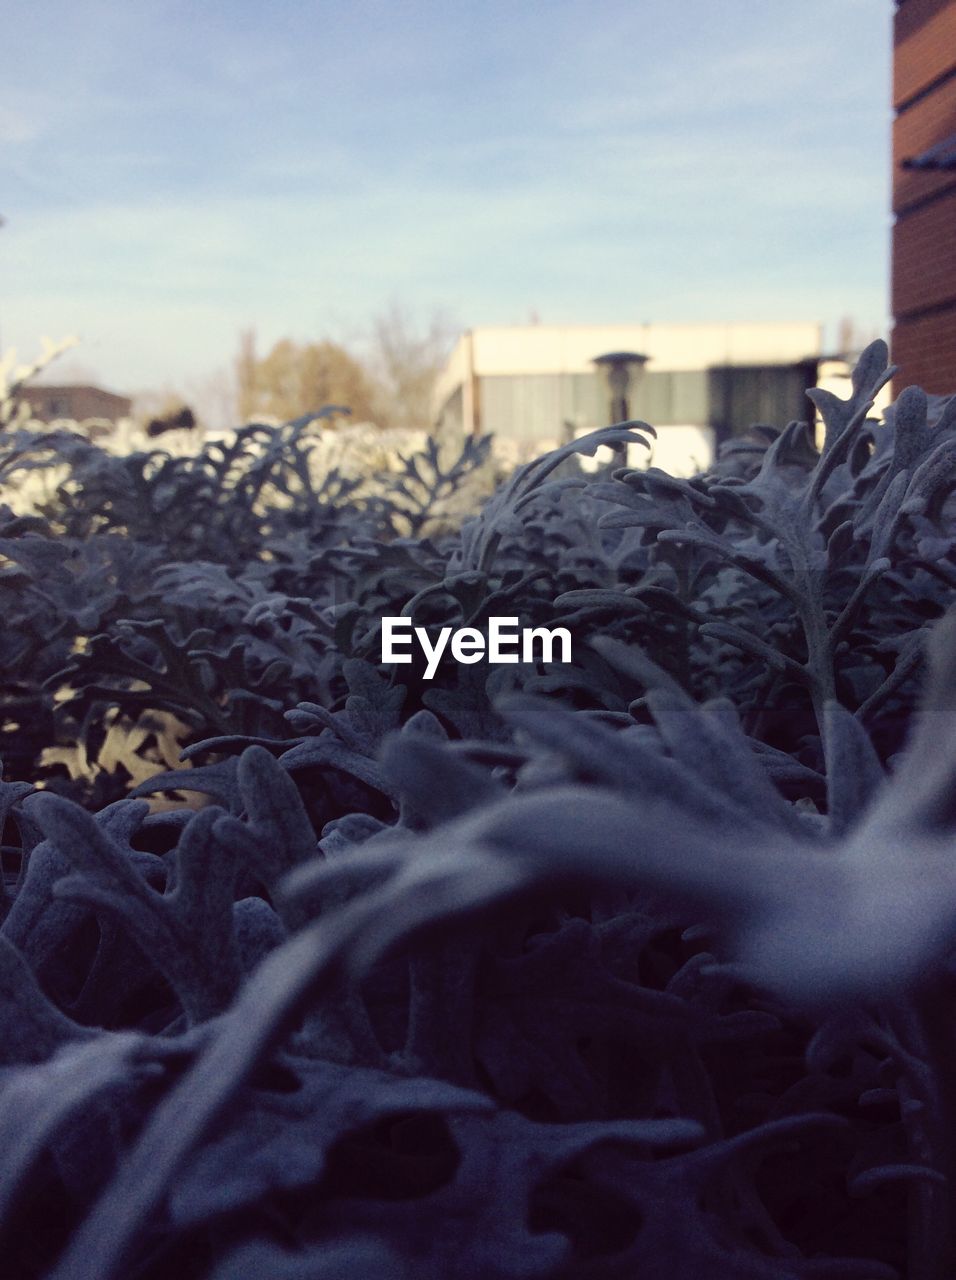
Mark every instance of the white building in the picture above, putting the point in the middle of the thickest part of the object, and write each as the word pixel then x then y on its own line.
pixel 534 386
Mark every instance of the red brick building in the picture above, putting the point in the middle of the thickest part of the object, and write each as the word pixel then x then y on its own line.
pixel 924 194
pixel 47 403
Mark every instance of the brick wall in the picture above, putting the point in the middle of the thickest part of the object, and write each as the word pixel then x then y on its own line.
pixel 922 347
pixel 924 257
pixel 924 38
pixel 915 129
pixel 924 234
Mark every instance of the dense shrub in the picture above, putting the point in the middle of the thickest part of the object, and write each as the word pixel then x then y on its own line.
pixel 636 966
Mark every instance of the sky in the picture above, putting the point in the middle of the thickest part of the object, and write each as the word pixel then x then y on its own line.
pixel 174 173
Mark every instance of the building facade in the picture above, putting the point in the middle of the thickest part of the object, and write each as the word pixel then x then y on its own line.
pixel 924 194
pixel 77 403
pixel 535 386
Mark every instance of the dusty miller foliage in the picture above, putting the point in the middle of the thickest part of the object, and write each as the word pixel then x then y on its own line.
pixel 639 966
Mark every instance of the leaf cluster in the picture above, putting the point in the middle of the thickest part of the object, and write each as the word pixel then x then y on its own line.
pixel 638 966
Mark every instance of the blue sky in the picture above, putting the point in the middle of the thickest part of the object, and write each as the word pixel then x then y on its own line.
pixel 176 172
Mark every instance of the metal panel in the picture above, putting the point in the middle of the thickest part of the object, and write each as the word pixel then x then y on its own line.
pixel 773 394
pixel 537 406
pixel 548 406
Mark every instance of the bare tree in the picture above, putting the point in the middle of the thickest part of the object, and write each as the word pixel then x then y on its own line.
pixel 406 361
pixel 215 398
pixel 392 386
pixel 245 370
pixel 299 378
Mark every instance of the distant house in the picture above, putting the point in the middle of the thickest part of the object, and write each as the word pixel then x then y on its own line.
pixel 924 194
pixel 47 403
pixel 534 386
